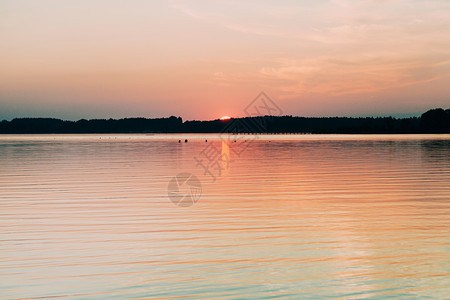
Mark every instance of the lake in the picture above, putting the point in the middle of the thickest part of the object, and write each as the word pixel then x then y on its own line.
pixel 248 216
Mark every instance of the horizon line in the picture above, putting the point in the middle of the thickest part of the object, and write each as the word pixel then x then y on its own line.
pixel 399 116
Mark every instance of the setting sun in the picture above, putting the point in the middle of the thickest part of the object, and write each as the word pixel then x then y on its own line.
pixel 225 118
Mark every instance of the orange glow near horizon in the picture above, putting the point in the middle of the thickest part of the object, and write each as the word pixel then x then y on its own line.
pixel 225 118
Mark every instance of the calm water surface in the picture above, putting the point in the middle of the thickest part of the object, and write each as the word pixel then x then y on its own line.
pixel 296 216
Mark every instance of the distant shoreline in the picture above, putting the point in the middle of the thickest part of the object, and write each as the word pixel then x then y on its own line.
pixel 433 121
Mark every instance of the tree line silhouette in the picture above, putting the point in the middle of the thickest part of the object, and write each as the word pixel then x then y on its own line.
pixel 433 121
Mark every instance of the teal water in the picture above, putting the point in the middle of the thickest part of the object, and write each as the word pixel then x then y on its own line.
pixel 287 216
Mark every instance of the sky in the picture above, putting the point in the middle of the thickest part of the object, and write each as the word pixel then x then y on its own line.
pixel 205 59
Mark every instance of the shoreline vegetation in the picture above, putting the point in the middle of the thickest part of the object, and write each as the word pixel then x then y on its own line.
pixel 433 121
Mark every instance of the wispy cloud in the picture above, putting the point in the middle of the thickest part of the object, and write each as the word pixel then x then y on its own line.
pixel 340 46
pixel 328 75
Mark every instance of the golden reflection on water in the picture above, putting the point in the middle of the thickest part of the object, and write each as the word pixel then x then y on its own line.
pixel 289 216
pixel 226 158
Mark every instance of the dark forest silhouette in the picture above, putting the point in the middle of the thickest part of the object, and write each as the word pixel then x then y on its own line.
pixel 433 121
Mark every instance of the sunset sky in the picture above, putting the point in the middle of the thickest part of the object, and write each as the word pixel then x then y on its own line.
pixel 206 59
